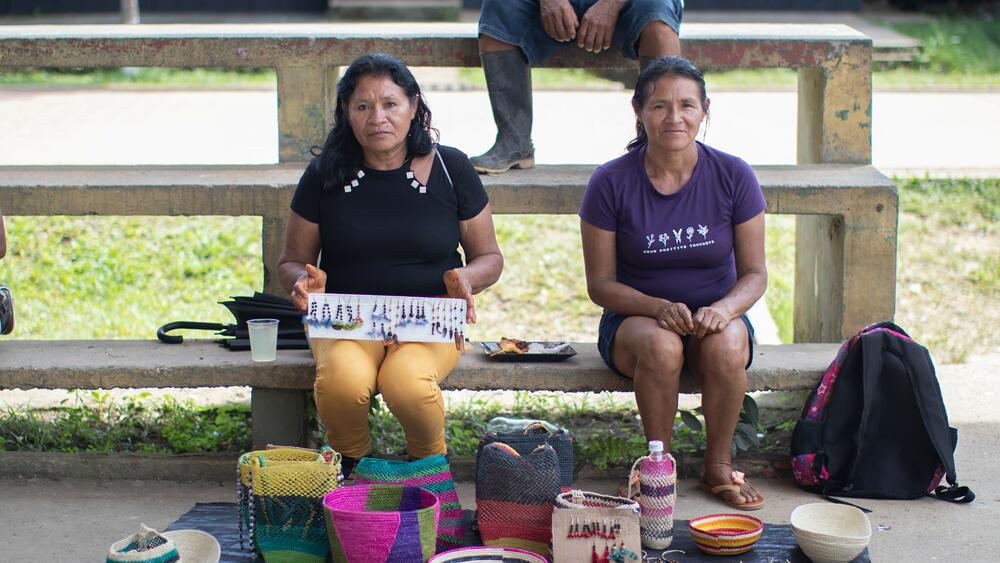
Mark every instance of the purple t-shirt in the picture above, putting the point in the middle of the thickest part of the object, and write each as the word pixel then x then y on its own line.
pixel 677 247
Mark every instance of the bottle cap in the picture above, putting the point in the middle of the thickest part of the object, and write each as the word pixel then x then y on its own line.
pixel 655 446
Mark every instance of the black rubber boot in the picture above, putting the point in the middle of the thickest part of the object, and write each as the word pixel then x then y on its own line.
pixel 508 79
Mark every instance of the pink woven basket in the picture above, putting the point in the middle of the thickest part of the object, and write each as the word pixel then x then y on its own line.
pixel 380 523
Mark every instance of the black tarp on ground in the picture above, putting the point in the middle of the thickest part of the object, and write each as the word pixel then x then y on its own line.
pixel 777 543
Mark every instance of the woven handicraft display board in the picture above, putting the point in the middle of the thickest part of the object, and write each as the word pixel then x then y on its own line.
pixel 381 317
pixel 609 528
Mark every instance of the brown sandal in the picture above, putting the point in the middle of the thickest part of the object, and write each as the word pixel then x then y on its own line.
pixel 720 490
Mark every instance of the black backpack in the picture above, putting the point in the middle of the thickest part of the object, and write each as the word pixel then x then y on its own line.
pixel 875 426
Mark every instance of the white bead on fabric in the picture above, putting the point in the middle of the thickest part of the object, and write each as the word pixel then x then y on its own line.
pixel 354 183
pixel 414 183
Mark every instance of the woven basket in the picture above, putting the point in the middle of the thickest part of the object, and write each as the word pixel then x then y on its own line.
pixel 533 436
pixel 381 523
pixel 830 532
pixel 515 496
pixel 488 555
pixel 725 534
pixel 583 520
pixel 431 473
pixel 280 494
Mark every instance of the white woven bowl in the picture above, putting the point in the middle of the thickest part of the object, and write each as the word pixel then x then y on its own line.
pixel 831 533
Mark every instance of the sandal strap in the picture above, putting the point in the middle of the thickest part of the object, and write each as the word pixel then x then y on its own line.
pixel 719 488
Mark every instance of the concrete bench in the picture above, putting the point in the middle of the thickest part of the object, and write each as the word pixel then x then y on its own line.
pixel 846 210
pixel 108 364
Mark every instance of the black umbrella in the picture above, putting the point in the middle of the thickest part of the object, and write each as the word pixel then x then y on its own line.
pixel 291 331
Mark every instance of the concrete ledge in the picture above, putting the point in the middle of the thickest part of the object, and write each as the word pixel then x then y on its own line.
pixel 266 190
pixel 709 45
pixel 107 364
pixel 221 468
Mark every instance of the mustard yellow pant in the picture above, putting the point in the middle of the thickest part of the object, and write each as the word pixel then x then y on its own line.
pixel 350 372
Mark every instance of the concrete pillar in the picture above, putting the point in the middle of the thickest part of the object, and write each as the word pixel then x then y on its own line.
pixel 273 241
pixel 279 417
pixel 838 287
pixel 301 108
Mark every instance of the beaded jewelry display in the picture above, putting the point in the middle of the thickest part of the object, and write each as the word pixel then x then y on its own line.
pixel 381 317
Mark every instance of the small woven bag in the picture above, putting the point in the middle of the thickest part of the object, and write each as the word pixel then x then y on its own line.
pixel 533 436
pixel 515 496
pixel 584 522
pixel 280 493
pixel 431 473
pixel 381 524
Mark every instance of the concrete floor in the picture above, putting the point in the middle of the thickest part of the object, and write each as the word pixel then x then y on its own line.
pixel 73 520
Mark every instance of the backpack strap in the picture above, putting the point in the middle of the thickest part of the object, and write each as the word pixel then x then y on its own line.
pixel 953 493
pixel 927 393
pixel 871 368
pixel 443 166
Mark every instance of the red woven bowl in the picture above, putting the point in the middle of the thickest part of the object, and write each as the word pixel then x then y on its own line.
pixel 725 534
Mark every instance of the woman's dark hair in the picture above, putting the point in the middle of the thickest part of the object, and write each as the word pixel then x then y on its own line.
pixel 674 66
pixel 341 156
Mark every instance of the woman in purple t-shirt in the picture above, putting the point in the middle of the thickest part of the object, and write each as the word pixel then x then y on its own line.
pixel 673 241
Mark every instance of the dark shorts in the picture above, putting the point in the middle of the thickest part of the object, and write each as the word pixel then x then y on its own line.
pixel 519 22
pixel 609 327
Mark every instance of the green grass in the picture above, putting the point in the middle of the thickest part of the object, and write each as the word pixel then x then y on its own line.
pixel 128 425
pixel 122 277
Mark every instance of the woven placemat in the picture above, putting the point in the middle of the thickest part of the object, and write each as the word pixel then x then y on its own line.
pixel 776 544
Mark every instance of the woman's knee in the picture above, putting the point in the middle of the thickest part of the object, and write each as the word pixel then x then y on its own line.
pixel 659 352
pixel 724 354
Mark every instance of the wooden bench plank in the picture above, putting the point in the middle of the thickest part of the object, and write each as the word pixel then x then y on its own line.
pixel 709 45
pixel 831 189
pixel 107 364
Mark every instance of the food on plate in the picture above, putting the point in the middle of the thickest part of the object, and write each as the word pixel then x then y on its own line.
pixel 512 346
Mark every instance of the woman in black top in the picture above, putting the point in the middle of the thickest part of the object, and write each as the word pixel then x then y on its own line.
pixel 383 210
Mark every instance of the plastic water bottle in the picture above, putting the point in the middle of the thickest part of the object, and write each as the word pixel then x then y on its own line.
pixel 656 450
pixel 657 482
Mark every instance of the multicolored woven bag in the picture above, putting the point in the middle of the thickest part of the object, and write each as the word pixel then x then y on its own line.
pixel 431 473
pixel 280 502
pixel 515 496
pixel 530 438
pixel 381 523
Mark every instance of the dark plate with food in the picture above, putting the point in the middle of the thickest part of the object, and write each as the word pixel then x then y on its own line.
pixel 514 350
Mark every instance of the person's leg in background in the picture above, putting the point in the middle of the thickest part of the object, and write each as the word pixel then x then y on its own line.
pixel 650 29
pixel 409 382
pixel 511 38
pixel 346 372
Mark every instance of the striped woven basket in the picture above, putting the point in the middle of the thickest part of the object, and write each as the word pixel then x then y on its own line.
pixel 725 534
pixel 431 473
pixel 381 523
pixel 515 496
pixel 280 493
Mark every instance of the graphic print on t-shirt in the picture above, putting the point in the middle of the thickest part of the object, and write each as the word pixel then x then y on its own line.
pixel 679 244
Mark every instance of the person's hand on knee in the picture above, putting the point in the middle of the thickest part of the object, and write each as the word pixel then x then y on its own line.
pixel 598 26
pixel 675 317
pixel 559 19
pixel 710 320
